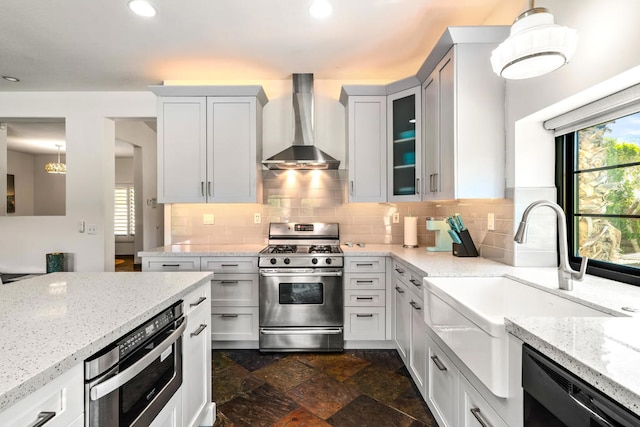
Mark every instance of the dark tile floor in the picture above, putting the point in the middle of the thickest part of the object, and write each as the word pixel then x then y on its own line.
pixel 355 388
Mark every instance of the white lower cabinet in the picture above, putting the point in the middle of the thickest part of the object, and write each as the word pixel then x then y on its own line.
pixel 60 401
pixel 234 323
pixel 365 299
pixel 171 414
pixel 417 345
pixel 474 411
pixel 442 386
pixel 402 318
pixel 196 357
pixel 171 264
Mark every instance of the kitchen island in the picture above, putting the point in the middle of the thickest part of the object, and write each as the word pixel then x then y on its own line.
pixel 52 323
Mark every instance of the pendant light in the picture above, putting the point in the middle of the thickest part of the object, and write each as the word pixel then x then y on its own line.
pixel 59 168
pixel 535 46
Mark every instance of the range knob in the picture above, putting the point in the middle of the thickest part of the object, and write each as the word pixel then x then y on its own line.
pixel 287 260
pixel 314 261
pixel 328 260
pixel 273 260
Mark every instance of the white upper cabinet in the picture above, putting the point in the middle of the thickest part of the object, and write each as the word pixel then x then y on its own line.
pixel 367 157
pixel 463 109
pixel 209 143
pixel 404 145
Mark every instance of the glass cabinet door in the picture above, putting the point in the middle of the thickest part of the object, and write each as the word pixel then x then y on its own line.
pixel 405 145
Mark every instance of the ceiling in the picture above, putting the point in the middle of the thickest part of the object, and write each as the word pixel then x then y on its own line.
pixel 100 45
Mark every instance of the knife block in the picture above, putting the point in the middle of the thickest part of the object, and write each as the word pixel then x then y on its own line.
pixel 467 248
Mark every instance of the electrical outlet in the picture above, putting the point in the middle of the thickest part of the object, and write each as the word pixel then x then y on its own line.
pixel 208 219
pixel 396 217
pixel 91 229
pixel 491 222
pixel 257 218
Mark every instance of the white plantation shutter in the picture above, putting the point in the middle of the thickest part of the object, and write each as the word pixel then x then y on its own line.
pixel 124 215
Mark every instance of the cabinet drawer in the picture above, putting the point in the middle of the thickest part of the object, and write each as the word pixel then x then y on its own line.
pixel 364 264
pixel 234 323
pixel 171 264
pixel 364 281
pixel 63 398
pixel 364 323
pixel 195 300
pixel 229 290
pixel 442 387
pixel 364 298
pixel 230 265
pixel 474 410
pixel 401 270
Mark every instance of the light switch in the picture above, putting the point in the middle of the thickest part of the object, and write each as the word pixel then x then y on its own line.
pixel 208 219
pixel 491 223
pixel 396 217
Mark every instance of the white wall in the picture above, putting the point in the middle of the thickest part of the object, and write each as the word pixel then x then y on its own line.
pixel 607 60
pixel 24 241
pixel 149 219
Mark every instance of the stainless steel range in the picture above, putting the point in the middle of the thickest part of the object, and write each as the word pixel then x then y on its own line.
pixel 301 298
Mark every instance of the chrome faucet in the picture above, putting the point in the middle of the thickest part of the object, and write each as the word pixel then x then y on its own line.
pixel 565 273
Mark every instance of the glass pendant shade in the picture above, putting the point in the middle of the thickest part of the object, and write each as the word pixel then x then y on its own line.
pixel 60 168
pixel 535 46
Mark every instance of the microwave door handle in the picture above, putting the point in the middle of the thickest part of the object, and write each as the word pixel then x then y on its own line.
pixel 102 389
pixel 302 274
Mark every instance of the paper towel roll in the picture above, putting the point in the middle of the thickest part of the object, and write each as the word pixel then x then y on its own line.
pixel 411 231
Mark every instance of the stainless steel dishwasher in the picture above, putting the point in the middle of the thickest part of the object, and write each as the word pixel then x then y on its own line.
pixel 554 397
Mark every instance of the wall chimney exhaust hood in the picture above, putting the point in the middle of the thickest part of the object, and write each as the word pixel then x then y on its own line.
pixel 302 154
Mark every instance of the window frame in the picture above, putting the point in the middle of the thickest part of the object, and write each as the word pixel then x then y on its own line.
pixel 130 189
pixel 566 148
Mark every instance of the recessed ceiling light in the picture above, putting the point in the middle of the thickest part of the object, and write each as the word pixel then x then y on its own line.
pixel 320 9
pixel 142 8
pixel 11 79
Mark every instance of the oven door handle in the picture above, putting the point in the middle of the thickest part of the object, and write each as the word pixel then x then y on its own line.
pixel 333 331
pixel 303 274
pixel 102 389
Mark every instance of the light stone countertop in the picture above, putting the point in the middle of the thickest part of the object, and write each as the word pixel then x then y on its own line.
pixel 52 322
pixel 604 351
pixel 203 250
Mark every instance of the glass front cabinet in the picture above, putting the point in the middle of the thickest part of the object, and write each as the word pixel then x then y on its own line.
pixel 404 136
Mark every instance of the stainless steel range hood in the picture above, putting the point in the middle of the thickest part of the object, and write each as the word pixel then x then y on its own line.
pixel 302 154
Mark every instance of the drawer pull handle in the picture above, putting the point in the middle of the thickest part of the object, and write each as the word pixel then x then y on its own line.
pixel 171 265
pixel 365 265
pixel 438 363
pixel 414 283
pixel 228 315
pixel 476 413
pixel 364 298
pixel 200 300
pixel 229 265
pixel 399 270
pixel 364 315
pixel 362 282
pixel 399 290
pixel 228 282
pixel 43 418
pixel 414 305
pixel 198 331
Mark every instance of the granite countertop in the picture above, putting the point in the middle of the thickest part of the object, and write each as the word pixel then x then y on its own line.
pixel 604 351
pixel 53 322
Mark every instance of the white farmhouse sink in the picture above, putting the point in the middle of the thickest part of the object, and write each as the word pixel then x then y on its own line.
pixel 468 313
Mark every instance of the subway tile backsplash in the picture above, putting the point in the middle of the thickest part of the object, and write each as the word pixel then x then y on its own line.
pixel 321 196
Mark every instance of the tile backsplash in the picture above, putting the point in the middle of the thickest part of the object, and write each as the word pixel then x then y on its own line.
pixel 321 196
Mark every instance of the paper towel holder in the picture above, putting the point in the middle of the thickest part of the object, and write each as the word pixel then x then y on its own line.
pixel 411 246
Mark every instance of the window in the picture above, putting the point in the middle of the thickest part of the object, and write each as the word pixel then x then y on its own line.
pixel 598 177
pixel 124 218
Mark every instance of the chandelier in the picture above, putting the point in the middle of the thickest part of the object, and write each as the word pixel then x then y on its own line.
pixel 535 46
pixel 60 168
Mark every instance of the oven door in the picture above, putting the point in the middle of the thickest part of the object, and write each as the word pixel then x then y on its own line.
pixel 301 298
pixel 134 391
pixel 301 310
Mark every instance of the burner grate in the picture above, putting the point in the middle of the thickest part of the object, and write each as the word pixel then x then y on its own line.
pixel 284 249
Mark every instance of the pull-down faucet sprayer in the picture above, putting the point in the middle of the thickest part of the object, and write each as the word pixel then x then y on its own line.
pixel 565 273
